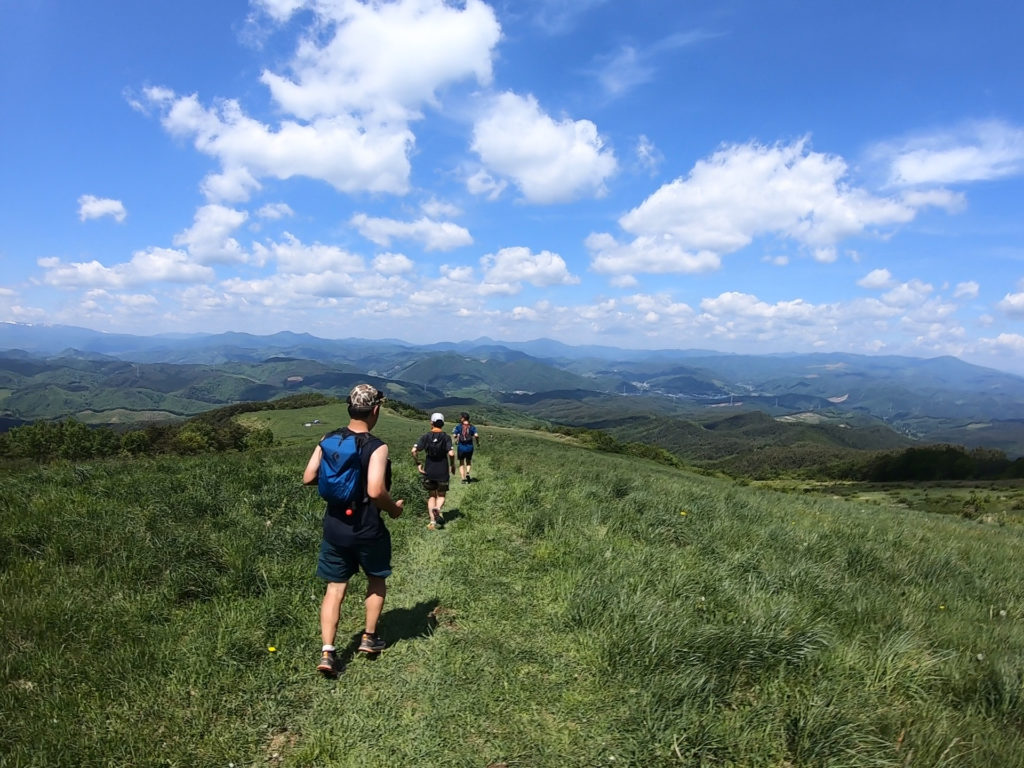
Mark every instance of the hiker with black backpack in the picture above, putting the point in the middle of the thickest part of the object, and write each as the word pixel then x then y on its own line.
pixel 437 468
pixel 466 437
pixel 353 474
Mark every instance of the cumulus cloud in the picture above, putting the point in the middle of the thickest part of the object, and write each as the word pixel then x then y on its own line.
pixel 335 149
pixel 549 160
pixel 1012 304
pixel 742 192
pixel 92 207
pixel 506 270
pixel 908 294
pixel 876 278
pixel 153 265
pixel 208 240
pixel 975 151
pixel 293 257
pixel 392 263
pixel 1005 343
pixel 647 254
pixel 434 235
pixel 384 61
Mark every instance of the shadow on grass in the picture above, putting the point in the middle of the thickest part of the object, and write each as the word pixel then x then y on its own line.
pixel 410 623
pixel 451 514
pixel 401 624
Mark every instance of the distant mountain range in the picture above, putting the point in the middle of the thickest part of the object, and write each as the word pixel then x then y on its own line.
pixel 55 371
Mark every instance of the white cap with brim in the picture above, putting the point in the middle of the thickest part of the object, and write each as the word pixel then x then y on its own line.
pixel 436 417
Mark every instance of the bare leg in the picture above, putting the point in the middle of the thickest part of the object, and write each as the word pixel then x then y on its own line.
pixel 376 589
pixel 439 502
pixel 330 610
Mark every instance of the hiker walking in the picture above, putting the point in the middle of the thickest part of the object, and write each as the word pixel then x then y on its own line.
pixel 436 469
pixel 353 473
pixel 465 436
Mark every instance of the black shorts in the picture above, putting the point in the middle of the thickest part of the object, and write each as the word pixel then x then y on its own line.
pixel 341 563
pixel 429 484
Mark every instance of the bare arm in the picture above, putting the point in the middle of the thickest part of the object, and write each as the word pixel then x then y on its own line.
pixel 375 485
pixel 312 470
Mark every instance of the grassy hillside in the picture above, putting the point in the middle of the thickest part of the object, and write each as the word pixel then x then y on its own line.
pixel 580 609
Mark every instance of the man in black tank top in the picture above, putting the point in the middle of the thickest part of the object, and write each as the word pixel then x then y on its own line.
pixel 356 537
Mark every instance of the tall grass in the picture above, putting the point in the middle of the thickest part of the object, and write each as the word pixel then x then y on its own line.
pixel 580 609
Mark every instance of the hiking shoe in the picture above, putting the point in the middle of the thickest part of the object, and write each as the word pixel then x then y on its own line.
pixel 371 643
pixel 326 664
pixel 439 521
pixel 469 479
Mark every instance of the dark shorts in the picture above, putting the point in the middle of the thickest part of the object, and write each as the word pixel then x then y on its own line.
pixel 465 452
pixel 341 563
pixel 429 484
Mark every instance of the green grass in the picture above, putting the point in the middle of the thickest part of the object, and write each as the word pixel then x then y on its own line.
pixel 580 609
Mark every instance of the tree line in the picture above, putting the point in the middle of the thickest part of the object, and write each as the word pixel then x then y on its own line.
pixel 213 431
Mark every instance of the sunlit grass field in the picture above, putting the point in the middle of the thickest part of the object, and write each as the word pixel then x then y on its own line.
pixel 580 609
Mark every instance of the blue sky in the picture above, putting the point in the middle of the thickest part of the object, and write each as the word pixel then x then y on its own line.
pixel 741 176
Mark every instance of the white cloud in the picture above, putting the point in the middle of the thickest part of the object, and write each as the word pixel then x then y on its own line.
pixel 275 211
pixel 434 235
pixel 337 150
pixel 976 151
pixel 505 270
pixel 908 294
pixel 648 155
pixel 876 278
pixel 550 161
pixel 629 67
pixel 624 70
pixel 482 183
pixel 280 10
pixel 385 60
pixel 739 193
pixel 967 290
pixel 208 240
pixel 150 266
pixel 647 254
pixel 1012 304
pixel 1004 343
pixel 624 281
pixel 392 263
pixel 438 209
pixel 293 257
pixel 92 207
pixel 744 305
pixel 661 307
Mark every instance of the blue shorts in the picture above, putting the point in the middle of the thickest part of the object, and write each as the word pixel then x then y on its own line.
pixel 339 564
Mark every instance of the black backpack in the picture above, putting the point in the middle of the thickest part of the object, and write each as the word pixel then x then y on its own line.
pixel 437 447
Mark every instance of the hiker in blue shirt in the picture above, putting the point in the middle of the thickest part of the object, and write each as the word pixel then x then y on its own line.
pixel 354 535
pixel 437 468
pixel 465 437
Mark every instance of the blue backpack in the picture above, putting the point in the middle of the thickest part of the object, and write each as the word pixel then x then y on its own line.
pixel 340 481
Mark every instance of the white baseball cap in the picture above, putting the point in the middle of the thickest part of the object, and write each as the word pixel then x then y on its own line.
pixel 436 417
